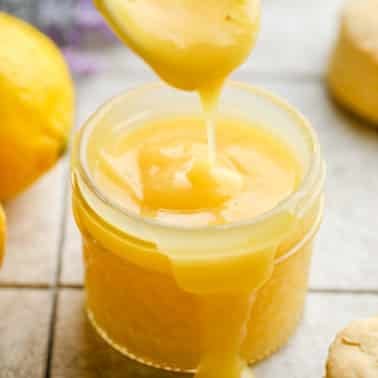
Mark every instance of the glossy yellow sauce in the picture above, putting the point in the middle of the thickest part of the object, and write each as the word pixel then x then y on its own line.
pixel 159 169
pixel 175 172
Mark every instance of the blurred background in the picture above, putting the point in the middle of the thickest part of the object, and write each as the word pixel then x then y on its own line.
pixel 74 25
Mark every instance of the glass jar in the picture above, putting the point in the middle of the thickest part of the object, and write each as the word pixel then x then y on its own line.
pixel 136 296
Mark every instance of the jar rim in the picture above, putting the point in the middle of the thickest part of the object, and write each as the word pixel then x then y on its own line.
pixel 288 202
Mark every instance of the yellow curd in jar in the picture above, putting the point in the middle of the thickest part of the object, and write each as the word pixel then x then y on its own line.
pixel 185 269
pixel 160 170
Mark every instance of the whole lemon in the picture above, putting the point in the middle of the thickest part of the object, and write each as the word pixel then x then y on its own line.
pixel 36 105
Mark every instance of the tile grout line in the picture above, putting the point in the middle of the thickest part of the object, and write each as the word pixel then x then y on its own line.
pixel 72 286
pixel 343 291
pixel 54 288
pixel 25 286
pixel 80 286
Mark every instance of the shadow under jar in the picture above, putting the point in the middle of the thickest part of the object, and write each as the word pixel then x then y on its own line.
pixel 133 297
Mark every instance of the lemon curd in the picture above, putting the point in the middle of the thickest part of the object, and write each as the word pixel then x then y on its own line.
pixel 160 170
pixel 190 270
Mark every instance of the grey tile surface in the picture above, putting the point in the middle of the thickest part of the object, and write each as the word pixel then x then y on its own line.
pixel 34 219
pixel 24 328
pixel 306 352
pixel 79 352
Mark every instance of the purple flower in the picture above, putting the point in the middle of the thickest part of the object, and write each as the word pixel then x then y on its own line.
pixel 82 63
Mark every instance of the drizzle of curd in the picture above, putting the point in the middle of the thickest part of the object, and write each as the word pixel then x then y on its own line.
pixel 172 170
